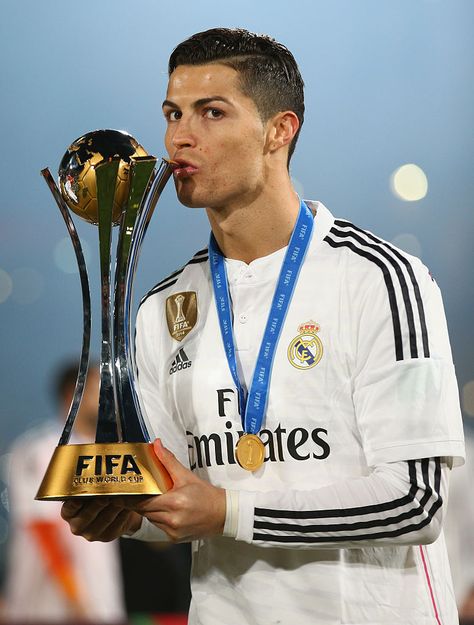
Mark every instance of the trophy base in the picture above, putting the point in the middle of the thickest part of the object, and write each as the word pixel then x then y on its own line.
pixel 104 469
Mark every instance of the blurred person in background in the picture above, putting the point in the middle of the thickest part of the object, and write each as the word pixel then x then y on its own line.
pixel 459 532
pixel 51 574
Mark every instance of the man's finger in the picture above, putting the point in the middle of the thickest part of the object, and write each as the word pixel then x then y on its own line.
pixel 70 508
pixel 104 523
pixel 107 526
pixel 156 503
pixel 132 502
pixel 177 471
pixel 88 514
pixel 73 506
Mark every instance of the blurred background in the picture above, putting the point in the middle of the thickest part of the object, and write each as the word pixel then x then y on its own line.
pixel 387 143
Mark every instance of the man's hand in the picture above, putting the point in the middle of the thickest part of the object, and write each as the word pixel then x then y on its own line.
pixel 192 509
pixel 100 518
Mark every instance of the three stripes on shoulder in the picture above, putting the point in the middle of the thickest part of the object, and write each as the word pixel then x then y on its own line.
pixel 200 257
pixel 389 259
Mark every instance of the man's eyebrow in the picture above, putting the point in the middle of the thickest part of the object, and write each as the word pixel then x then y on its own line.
pixel 198 103
pixel 170 104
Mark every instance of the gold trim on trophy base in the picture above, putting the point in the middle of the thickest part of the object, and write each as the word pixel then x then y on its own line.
pixel 104 469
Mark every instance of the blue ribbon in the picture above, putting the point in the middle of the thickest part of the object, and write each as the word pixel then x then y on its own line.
pixel 254 406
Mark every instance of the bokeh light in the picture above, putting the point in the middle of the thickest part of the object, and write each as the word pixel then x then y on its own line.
pixel 64 256
pixel 409 183
pixel 409 243
pixel 28 285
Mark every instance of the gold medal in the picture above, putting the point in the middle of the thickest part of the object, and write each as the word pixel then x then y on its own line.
pixel 250 452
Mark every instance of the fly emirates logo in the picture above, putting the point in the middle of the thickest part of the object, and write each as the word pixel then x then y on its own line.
pixel 217 448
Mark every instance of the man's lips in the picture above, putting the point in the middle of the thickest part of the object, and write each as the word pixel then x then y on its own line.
pixel 183 169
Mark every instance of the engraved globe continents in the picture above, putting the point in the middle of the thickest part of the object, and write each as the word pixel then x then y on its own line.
pixel 77 180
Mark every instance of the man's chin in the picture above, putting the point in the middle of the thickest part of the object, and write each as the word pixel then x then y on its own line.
pixel 191 202
pixel 187 196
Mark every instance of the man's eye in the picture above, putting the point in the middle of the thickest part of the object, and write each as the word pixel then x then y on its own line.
pixel 213 113
pixel 173 116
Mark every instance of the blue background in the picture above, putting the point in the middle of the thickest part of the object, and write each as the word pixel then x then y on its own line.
pixel 387 83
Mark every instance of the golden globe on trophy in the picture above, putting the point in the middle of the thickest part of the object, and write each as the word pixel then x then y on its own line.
pixel 108 179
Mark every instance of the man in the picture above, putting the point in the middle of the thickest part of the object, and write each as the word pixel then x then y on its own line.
pixel 302 372
pixel 53 576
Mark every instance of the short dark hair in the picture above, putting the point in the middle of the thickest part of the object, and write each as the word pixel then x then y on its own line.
pixel 65 376
pixel 268 71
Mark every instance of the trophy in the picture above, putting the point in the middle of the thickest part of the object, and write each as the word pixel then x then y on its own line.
pixel 107 178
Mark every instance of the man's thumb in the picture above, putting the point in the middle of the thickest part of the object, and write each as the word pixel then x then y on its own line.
pixel 174 467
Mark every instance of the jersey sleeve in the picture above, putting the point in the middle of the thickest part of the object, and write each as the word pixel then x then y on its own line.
pixel 405 392
pixel 399 503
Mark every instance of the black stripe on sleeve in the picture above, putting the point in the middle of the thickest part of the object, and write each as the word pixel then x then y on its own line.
pixel 347 512
pixel 411 273
pixel 162 287
pixel 401 278
pixel 397 332
pixel 203 252
pixel 194 261
pixel 199 257
pixel 299 532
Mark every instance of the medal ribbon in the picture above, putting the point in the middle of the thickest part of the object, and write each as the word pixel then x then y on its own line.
pixel 254 406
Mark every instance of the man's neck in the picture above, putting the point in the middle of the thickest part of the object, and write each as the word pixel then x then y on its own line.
pixel 256 228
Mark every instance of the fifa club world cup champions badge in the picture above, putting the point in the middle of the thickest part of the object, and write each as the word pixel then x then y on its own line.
pixel 108 179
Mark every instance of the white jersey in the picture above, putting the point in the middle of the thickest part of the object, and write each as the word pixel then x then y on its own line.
pixel 362 376
pixel 32 594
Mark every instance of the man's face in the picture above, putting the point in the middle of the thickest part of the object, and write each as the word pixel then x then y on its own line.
pixel 217 136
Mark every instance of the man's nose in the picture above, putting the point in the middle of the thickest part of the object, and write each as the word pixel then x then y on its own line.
pixel 183 135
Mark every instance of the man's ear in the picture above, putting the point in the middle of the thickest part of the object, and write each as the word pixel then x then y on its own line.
pixel 282 128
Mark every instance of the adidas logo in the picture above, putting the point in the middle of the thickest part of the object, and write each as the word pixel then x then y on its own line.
pixel 180 362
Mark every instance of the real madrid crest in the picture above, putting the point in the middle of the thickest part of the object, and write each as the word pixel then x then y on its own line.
pixel 181 313
pixel 306 349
